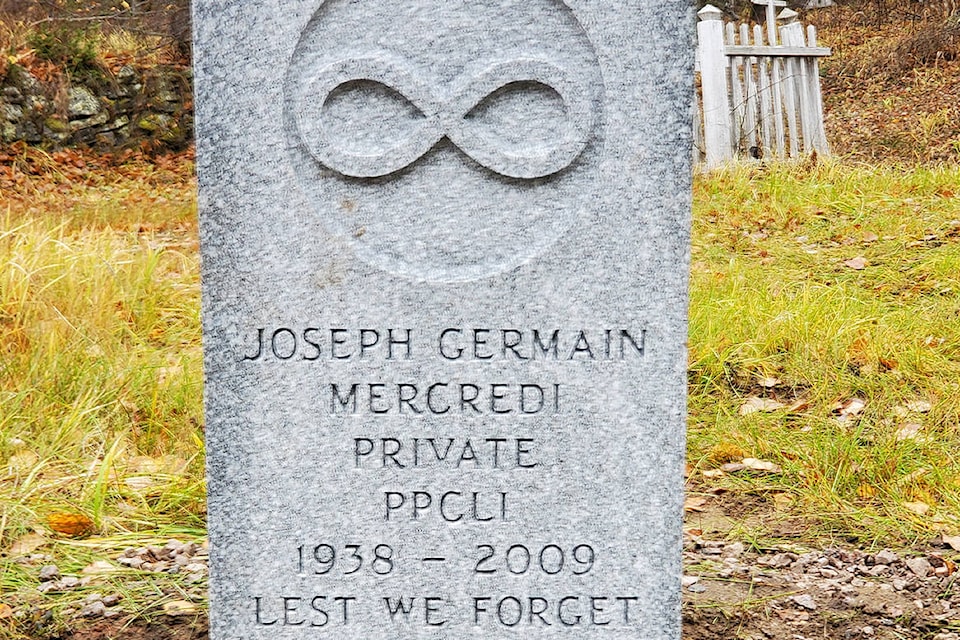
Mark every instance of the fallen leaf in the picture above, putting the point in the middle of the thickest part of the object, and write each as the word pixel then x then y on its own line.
pixel 919 406
pixel 180 608
pixel 889 364
pixel 99 568
pixel 27 544
pixel 71 524
pixel 869 237
pixel 952 541
pixel 866 492
pixel 694 504
pixel 909 431
pixel 858 264
pixel 782 501
pixel 6 611
pixel 139 484
pixel 799 405
pixel 22 463
pixel 849 410
pixel 694 532
pixel 764 466
pixel 733 467
pixel 919 508
pixel 756 404
pixel 769 383
pixel 913 476
pixel 713 474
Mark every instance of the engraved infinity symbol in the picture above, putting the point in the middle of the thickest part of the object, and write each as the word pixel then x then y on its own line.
pixel 446 117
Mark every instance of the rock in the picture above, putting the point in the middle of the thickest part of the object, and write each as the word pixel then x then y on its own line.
pixel 22 79
pixel 12 113
pixel 873 608
pixel 69 582
pixel 689 581
pixel 93 610
pixel 127 75
pixel 805 601
pixel 111 600
pixel 180 608
pixel 899 584
pixel 886 557
pixel 94 121
pixel 49 572
pixel 697 588
pixel 133 563
pixel 12 95
pixel 82 103
pixel 919 566
pixel 778 561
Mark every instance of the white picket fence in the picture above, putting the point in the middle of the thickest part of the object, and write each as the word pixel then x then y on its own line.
pixel 759 88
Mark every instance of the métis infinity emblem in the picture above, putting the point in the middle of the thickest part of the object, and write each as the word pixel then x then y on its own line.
pixel 445 115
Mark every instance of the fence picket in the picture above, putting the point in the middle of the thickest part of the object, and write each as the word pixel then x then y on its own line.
pixel 736 87
pixel 750 122
pixel 757 95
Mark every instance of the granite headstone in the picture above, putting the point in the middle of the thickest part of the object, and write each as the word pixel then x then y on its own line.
pixel 445 254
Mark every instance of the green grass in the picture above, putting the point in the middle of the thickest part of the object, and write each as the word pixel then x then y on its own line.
pixel 100 375
pixel 100 360
pixel 773 298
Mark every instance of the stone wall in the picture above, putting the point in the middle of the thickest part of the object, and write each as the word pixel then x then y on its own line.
pixel 97 108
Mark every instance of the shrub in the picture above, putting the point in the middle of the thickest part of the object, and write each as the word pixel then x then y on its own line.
pixel 71 47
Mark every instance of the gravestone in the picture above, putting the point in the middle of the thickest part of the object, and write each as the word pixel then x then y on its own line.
pixel 445 254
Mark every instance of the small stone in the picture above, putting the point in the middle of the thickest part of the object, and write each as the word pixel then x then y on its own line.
pixel 93 610
pixel 919 566
pixel 734 550
pixel 872 607
pixel 779 561
pixel 133 562
pixel 887 557
pixel 49 572
pixel 111 600
pixel 806 601
pixel 899 584
pixel 867 630
pixel 179 608
pixel 689 581
pixel 69 582
pixel 82 103
pixel 696 588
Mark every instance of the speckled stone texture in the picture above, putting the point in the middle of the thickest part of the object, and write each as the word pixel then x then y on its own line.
pixel 445 256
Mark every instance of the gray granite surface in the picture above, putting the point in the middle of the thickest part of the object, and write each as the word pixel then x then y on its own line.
pixel 445 255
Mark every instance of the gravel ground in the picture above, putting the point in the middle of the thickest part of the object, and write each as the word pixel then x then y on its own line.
pixel 730 591
pixel 793 593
